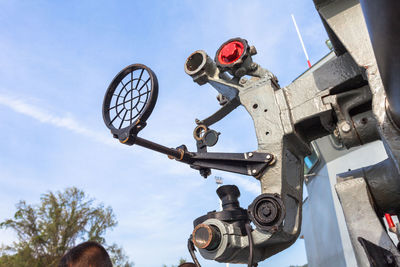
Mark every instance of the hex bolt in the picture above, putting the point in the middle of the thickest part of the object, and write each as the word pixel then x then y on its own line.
pixel 254 171
pixel 346 127
pixel 268 157
pixel 243 80
pixel 250 154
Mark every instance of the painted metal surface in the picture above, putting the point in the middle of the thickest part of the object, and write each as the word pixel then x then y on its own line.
pixel 324 227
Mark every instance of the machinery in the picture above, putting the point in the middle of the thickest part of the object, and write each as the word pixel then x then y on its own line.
pixel 354 96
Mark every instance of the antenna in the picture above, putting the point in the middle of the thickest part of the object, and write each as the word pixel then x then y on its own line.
pixel 301 41
pixel 218 180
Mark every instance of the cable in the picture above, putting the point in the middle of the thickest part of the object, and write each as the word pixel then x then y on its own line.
pixel 192 249
pixel 251 246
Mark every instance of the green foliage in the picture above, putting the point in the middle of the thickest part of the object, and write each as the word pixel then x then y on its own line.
pixel 118 257
pixel 62 220
pixel 181 260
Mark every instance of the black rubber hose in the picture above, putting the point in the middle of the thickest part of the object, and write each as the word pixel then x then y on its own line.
pixel 192 249
pixel 251 246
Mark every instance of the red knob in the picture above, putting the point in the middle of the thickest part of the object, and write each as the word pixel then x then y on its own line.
pixel 230 52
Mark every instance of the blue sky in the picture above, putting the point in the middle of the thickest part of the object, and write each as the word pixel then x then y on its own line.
pixel 57 59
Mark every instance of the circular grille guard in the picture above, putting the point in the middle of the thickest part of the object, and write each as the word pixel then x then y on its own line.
pixel 129 101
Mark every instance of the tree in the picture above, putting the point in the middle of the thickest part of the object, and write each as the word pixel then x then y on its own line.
pixel 181 261
pixel 62 220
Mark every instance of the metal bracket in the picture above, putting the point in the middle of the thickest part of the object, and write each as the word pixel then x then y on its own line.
pixel 251 163
pixel 221 113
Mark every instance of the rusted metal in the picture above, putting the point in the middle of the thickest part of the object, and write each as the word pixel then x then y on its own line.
pixel 206 236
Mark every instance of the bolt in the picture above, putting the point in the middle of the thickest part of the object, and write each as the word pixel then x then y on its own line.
pixel 346 127
pixel 336 133
pixel 253 50
pixel 254 171
pixel 250 154
pixel 268 157
pixel 253 66
pixel 243 80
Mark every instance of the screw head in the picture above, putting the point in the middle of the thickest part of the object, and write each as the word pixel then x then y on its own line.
pixel 346 127
pixel 250 154
pixel 254 171
pixel 268 157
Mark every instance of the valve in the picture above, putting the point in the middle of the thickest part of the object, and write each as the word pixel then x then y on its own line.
pixel 234 56
pixel 230 52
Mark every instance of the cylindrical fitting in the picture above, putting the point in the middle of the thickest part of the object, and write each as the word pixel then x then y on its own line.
pixel 382 19
pixel 229 195
pixel 199 65
pixel 206 236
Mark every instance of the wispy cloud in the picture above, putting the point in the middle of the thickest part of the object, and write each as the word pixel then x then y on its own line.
pixel 250 186
pixel 42 115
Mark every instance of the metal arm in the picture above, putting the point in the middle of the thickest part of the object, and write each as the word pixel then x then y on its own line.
pixel 251 163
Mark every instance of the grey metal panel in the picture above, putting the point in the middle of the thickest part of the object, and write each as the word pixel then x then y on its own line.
pixel 324 227
pixel 320 227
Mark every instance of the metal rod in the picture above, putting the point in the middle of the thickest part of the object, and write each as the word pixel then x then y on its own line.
pixel 159 148
pixel 383 23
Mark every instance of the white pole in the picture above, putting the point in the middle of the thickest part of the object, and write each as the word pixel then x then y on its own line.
pixel 301 41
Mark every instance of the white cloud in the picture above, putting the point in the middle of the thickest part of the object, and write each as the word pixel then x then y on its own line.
pixel 243 183
pixel 45 116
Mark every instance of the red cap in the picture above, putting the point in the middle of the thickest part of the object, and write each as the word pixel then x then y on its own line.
pixel 230 52
pixel 389 220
